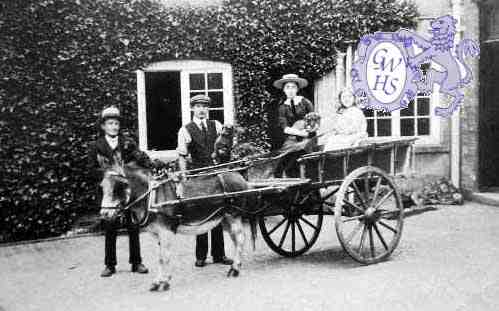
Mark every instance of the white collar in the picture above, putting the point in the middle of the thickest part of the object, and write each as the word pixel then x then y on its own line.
pixel 297 99
pixel 112 141
pixel 198 121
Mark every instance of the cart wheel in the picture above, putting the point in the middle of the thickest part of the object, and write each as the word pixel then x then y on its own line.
pixel 295 231
pixel 368 215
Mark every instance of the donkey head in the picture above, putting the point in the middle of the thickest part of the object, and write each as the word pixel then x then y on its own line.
pixel 115 186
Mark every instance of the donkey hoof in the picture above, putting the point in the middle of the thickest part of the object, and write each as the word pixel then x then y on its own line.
pixel 154 287
pixel 160 286
pixel 164 286
pixel 233 273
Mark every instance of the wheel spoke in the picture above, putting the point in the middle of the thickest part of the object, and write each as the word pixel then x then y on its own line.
pixel 302 233
pixel 371 241
pixel 308 223
pixel 305 198
pixel 277 226
pixel 388 226
pixel 376 189
pixel 357 193
pixel 354 232
pixel 297 195
pixel 384 198
pixel 354 206
pixel 366 188
pixel 293 232
pixel 362 238
pixel 360 217
pixel 380 237
pixel 284 234
pixel 329 203
pixel 330 194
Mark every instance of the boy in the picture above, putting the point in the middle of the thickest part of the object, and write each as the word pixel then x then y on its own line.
pixel 115 146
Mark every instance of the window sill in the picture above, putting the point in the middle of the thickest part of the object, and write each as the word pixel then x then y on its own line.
pixel 419 149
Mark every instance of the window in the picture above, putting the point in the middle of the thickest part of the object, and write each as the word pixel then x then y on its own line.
pixel 211 84
pixel 417 120
pixel 164 90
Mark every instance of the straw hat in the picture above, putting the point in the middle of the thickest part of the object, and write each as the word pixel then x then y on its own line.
pixel 290 78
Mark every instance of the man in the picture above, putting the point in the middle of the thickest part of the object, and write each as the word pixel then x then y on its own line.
pixel 115 147
pixel 197 138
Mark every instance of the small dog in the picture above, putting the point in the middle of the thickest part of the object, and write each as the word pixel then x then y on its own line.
pixel 310 123
pixel 223 145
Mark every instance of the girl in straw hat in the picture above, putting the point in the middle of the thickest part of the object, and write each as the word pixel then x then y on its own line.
pixel 293 108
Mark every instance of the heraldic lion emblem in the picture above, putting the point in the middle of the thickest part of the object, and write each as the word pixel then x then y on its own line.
pixel 440 49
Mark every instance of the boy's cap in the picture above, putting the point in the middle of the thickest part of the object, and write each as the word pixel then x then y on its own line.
pixel 110 113
pixel 200 99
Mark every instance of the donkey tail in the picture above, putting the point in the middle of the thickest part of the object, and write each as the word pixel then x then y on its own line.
pixel 467 47
pixel 253 230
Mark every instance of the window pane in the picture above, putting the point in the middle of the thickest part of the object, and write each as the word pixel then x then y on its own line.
pixel 384 127
pixel 217 99
pixel 423 106
pixel 368 113
pixel 423 126
pixel 215 80
pixel 409 111
pixel 217 115
pixel 407 127
pixel 370 127
pixel 425 67
pixel 196 81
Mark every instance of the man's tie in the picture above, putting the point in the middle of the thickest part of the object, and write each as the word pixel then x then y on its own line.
pixel 205 133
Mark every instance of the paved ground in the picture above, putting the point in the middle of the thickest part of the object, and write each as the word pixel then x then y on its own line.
pixel 447 260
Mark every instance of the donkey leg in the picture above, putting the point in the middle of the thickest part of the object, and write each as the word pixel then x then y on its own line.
pixel 237 235
pixel 161 282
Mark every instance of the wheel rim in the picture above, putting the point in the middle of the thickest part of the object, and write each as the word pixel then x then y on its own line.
pixel 368 215
pixel 293 232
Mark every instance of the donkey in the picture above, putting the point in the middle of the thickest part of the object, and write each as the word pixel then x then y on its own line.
pixel 128 187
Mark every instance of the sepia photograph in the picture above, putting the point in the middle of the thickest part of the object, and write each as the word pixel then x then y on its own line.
pixel 249 155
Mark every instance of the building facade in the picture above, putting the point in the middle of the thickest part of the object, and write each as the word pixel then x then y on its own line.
pixel 463 147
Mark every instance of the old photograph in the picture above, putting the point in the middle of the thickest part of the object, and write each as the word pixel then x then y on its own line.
pixel 249 155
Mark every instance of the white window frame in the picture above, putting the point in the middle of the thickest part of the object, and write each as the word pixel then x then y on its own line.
pixel 435 121
pixel 185 67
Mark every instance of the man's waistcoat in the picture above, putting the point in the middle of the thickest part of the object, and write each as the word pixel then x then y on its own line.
pixel 201 148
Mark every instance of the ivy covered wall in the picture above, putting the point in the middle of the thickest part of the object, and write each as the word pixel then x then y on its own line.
pixel 61 61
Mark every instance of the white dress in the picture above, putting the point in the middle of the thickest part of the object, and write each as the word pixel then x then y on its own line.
pixel 349 129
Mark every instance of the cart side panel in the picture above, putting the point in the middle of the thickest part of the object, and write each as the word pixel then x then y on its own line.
pixel 357 160
pixel 333 168
pixel 382 159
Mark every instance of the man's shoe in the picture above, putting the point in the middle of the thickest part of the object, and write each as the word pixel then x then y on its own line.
pixel 224 261
pixel 139 268
pixel 200 263
pixel 108 271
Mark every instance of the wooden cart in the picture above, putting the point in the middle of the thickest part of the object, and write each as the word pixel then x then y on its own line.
pixel 353 184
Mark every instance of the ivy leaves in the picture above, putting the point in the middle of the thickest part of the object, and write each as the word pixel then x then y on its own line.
pixel 61 61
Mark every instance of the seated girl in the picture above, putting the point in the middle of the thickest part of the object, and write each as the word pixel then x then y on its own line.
pixel 349 125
